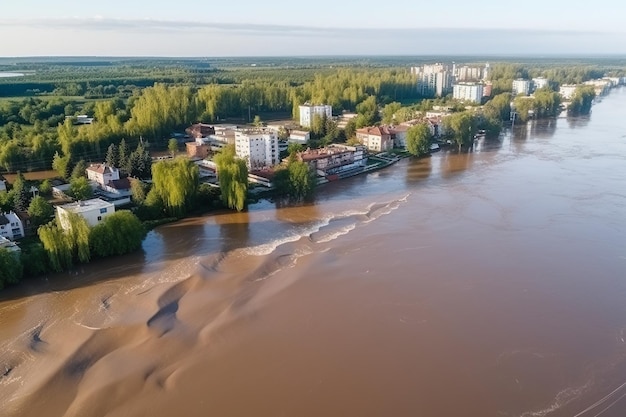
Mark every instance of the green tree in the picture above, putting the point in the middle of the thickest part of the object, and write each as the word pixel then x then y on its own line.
pixel 121 232
pixel 21 195
pixel 77 233
pixel 175 182
pixel 40 211
pixel 111 158
pixel 138 191
pixel 80 188
pixel 34 259
pixel 45 188
pixel 418 139
pixel 80 170
pixel 523 106
pixel 11 269
pixel 57 246
pixel 389 112
pixel 172 146
pixel 61 164
pixel 232 174
pixel 581 100
pixel 140 164
pixel 257 121
pixel 123 156
pixel 461 127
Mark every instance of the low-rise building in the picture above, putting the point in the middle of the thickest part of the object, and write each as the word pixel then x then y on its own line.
pixel 199 130
pixel 102 174
pixel 11 226
pixel 197 150
pixel 94 211
pixel 383 138
pixel 3 183
pixel 299 136
pixel 334 160
pixel 375 138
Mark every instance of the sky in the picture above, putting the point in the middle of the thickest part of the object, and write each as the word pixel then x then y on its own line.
pixel 212 28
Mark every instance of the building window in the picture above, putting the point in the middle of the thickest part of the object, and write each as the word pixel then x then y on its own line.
pixel 103 210
pixel 99 218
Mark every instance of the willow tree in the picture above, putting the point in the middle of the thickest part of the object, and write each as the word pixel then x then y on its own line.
pixel 11 268
pixel 77 233
pixel 121 232
pixel 176 182
pixel 232 173
pixel 56 245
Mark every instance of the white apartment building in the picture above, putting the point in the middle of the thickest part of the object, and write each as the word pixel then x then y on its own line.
pixel 258 146
pixel 472 92
pixel 433 79
pixel 521 86
pixel 539 82
pixel 11 226
pixel 308 111
pixel 94 211
pixel 567 90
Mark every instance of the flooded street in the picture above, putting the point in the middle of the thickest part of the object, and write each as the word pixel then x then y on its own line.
pixel 489 283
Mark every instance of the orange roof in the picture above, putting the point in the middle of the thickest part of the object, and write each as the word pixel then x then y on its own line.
pixel 100 168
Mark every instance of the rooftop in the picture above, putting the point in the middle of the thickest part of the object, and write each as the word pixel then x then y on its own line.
pixel 101 168
pixel 87 205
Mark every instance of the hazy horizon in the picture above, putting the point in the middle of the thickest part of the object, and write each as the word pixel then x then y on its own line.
pixel 191 28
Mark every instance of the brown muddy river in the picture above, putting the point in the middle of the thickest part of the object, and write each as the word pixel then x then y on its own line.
pixel 490 283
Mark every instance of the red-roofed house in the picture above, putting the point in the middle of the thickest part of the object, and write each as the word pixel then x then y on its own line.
pixel 382 138
pixel 102 174
pixel 375 138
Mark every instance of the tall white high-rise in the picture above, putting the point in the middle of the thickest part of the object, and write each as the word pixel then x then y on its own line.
pixel 433 79
pixel 258 146
pixel 308 111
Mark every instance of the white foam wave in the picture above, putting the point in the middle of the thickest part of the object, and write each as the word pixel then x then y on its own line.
pixel 563 398
pixel 334 235
pixel 270 247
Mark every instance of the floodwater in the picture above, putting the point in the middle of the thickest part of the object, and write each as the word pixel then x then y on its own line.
pixel 490 283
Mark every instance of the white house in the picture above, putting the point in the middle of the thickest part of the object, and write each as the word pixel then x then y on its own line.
pixel 94 211
pixel 102 174
pixel 308 111
pixel 11 226
pixel 259 146
pixel 472 92
pixel 3 184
